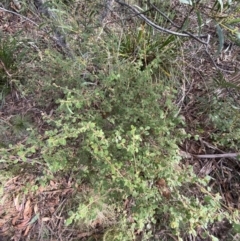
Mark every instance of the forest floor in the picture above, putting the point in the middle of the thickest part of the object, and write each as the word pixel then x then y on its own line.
pixel 19 214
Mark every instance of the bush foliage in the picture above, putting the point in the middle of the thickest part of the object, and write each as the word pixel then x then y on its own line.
pixel 112 122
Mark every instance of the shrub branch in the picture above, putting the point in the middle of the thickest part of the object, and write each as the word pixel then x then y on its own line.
pixel 159 28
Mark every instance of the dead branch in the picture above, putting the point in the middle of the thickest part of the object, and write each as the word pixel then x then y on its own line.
pixel 135 9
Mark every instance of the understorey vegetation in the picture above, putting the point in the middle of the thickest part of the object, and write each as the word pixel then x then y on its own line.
pixel 119 120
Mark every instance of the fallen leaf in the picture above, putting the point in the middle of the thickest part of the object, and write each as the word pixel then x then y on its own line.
pixel 166 192
pixel 84 235
pixel 23 224
pixel 52 183
pixel 35 208
pixel 16 204
pixel 27 213
pixel 162 187
pixel 27 230
pixel 160 183
pixel 15 219
pixel 45 219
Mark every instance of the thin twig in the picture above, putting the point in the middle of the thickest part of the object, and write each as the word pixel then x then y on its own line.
pixel 225 155
pixel 210 156
pixel 19 15
pixel 214 63
pixel 5 69
pixel 188 14
pixel 164 15
pixel 6 122
pixel 184 34
pixel 159 28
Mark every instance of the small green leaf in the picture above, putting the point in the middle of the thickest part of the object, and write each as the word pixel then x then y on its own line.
pixel 233 21
pixel 62 142
pixel 221 4
pixel 238 35
pixel 199 18
pixel 189 2
pixel 220 39
pixel 236 227
pixel 34 219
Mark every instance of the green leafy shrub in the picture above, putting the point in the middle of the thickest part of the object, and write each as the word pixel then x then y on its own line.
pixel 224 117
pixel 115 126
pixel 7 61
pixel 121 137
